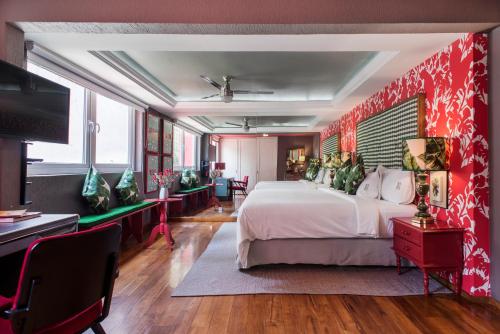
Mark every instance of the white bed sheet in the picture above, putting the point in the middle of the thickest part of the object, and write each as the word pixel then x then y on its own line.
pixel 301 184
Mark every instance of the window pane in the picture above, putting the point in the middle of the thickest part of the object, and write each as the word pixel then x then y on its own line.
pixel 63 153
pixel 112 137
pixel 178 136
pixel 189 150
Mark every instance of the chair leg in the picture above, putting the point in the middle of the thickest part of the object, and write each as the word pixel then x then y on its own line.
pixel 97 329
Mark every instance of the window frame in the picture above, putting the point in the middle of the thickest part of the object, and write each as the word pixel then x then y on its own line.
pixel 196 149
pixel 110 168
pixel 90 112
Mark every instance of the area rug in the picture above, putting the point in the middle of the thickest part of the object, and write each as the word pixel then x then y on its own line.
pixel 216 273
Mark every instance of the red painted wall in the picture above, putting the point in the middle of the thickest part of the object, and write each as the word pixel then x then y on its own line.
pixel 456 86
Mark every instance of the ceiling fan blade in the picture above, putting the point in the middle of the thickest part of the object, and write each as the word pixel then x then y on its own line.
pixel 207 97
pixel 238 91
pixel 238 125
pixel 210 81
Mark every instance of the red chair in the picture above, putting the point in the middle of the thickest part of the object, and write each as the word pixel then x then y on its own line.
pixel 240 186
pixel 66 284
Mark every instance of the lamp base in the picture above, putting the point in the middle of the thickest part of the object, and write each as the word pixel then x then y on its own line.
pixel 422 220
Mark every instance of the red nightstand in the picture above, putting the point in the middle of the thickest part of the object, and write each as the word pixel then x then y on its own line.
pixel 432 247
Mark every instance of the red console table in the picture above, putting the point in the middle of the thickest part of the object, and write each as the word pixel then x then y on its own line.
pixel 163 228
pixel 432 247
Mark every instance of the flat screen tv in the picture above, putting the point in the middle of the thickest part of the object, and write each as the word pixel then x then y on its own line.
pixel 31 107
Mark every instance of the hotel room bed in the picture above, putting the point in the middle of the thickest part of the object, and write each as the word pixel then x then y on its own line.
pixel 318 226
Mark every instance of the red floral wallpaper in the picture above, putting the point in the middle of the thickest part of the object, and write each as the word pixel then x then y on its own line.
pixel 455 82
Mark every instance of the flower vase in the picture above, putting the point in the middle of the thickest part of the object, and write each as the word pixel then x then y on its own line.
pixel 163 193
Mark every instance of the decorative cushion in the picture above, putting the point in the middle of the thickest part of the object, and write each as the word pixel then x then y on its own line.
pixel 370 187
pixel 355 177
pixel 398 186
pixel 312 170
pixel 96 191
pixel 327 178
pixel 127 189
pixel 319 177
pixel 189 179
pixel 341 174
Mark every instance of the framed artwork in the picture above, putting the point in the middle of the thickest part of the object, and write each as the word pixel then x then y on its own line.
pixel 167 137
pixel 439 189
pixel 152 166
pixel 168 163
pixel 152 133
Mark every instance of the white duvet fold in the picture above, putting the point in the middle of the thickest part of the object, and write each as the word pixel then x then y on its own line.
pixel 307 213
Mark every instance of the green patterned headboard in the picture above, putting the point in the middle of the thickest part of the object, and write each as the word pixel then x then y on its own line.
pixel 379 138
pixel 331 144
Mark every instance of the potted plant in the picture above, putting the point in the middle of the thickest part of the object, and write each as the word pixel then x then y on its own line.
pixel 164 180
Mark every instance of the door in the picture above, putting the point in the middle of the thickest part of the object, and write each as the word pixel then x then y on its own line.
pixel 268 158
pixel 229 155
pixel 248 161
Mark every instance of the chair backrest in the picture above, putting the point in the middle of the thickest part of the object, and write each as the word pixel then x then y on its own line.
pixel 245 180
pixel 64 275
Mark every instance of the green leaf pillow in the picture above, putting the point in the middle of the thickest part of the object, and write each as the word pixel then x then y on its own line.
pixel 96 191
pixel 340 177
pixel 312 172
pixel 355 177
pixel 127 188
pixel 189 179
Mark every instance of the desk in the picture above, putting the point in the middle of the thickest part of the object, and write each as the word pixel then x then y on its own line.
pixel 17 236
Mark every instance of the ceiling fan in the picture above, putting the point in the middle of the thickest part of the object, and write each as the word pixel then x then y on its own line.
pixel 226 93
pixel 245 126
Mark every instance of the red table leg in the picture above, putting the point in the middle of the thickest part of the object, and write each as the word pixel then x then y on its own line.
pixel 426 282
pixel 162 229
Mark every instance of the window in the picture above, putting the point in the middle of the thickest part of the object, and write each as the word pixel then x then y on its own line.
pixel 185 149
pixel 101 132
pixel 73 152
pixel 112 131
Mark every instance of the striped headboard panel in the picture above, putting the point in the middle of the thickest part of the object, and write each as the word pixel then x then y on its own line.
pixel 331 144
pixel 379 138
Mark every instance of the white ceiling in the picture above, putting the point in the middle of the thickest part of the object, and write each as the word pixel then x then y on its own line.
pixel 318 77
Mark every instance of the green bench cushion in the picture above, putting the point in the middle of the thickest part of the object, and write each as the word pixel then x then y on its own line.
pixel 92 220
pixel 192 190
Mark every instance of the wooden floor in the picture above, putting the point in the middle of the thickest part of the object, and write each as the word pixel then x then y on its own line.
pixel 142 302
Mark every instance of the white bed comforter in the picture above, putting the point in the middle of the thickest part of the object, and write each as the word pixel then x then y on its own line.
pixel 302 184
pixel 323 213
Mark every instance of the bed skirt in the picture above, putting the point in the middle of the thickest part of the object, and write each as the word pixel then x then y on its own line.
pixel 334 251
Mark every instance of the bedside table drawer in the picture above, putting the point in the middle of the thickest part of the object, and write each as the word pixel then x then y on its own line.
pixel 407 233
pixel 407 249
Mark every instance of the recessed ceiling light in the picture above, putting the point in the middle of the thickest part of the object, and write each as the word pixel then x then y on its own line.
pixel 265 135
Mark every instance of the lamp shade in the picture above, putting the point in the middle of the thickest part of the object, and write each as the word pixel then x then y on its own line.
pixel 302 158
pixel 220 165
pixel 426 154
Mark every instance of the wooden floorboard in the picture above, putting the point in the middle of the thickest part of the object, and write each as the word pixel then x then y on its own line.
pixel 142 302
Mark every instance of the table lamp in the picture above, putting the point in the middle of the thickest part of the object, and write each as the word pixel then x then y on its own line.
pixel 220 166
pixel 422 155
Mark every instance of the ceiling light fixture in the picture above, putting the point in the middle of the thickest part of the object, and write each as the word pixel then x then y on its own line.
pixel 265 135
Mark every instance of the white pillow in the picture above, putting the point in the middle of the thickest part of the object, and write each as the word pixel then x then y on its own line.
pixel 398 186
pixel 370 187
pixel 319 177
pixel 327 179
